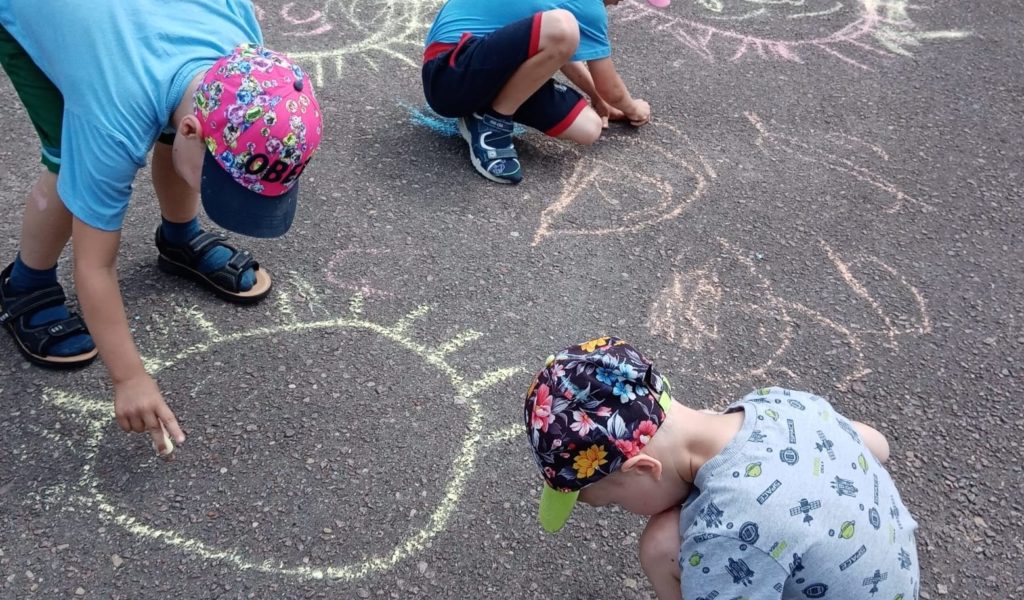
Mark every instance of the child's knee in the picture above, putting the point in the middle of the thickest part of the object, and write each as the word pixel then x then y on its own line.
pixel 560 31
pixel 588 127
pixel 659 544
pixel 585 129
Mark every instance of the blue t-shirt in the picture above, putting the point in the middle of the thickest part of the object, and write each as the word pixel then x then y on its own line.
pixel 480 17
pixel 122 68
pixel 796 506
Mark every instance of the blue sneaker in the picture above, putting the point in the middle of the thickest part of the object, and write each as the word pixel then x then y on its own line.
pixel 490 147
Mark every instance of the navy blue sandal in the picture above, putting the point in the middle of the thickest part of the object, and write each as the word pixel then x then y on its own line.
pixel 35 342
pixel 225 281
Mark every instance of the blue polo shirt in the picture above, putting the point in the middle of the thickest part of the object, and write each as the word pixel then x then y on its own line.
pixel 122 67
pixel 480 17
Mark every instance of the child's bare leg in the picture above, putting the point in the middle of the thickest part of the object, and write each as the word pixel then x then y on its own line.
pixel 179 203
pixel 659 554
pixel 559 37
pixel 46 225
pixel 45 230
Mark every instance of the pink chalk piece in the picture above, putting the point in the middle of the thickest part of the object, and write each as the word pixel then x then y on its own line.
pixel 660 3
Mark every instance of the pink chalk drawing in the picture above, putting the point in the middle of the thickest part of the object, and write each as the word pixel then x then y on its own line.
pixel 672 180
pixel 739 326
pixel 789 29
pixel 327 35
pixel 836 151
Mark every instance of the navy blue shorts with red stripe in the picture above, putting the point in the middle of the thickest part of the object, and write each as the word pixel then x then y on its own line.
pixel 464 78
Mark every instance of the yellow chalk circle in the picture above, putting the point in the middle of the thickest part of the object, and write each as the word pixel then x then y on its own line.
pixel 97 415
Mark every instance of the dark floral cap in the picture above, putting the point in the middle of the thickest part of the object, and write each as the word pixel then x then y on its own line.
pixel 592 407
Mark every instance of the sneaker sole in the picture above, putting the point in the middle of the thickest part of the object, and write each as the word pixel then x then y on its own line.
pixel 476 161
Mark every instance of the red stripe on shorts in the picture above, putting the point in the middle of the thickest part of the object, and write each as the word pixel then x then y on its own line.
pixel 569 119
pixel 535 35
pixel 436 49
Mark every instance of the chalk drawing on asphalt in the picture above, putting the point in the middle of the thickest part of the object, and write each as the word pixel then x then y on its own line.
pixel 742 326
pixel 851 31
pixel 327 35
pixel 675 176
pixel 96 416
pixel 837 152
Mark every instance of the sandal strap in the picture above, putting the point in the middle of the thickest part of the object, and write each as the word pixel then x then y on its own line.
pixel 32 303
pixel 204 241
pixel 230 275
pixel 39 340
pixel 68 327
pixel 498 153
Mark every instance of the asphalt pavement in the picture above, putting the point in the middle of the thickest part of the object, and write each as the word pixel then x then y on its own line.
pixel 828 198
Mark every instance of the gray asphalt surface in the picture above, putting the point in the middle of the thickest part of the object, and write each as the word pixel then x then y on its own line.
pixel 823 202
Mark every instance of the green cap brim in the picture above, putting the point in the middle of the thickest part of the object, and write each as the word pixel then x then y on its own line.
pixel 555 508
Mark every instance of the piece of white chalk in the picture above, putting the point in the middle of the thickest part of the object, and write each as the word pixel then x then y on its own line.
pixel 168 444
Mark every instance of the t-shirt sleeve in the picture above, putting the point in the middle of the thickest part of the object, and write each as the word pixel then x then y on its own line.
pixel 96 173
pixel 724 567
pixel 593 20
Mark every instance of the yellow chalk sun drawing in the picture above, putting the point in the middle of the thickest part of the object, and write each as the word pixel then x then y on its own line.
pixel 326 35
pixel 96 417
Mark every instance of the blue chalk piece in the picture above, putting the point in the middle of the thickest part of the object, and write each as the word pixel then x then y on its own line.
pixel 425 117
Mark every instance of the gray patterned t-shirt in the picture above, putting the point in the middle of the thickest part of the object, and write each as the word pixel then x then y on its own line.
pixel 796 506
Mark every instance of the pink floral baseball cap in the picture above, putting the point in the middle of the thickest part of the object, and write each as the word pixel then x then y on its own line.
pixel 592 407
pixel 262 125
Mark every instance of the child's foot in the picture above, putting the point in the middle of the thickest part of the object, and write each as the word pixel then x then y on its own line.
pixel 45 331
pixel 490 147
pixel 187 250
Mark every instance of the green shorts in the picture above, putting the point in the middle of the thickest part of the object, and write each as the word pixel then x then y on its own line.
pixel 43 101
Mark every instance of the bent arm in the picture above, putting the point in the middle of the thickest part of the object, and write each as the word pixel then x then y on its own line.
pixel 609 85
pixel 874 440
pixel 100 297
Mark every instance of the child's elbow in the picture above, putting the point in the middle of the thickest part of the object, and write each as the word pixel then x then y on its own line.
pixel 874 440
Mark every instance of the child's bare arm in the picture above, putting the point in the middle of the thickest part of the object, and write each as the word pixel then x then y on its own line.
pixel 612 89
pixel 579 75
pixel 874 440
pixel 138 404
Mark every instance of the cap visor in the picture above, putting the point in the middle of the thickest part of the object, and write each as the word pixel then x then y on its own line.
pixel 555 508
pixel 241 210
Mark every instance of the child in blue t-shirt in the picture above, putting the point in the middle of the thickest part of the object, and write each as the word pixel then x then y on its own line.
pixel 108 85
pixel 778 497
pixel 490 64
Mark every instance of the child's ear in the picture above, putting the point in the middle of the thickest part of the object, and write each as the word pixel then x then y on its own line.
pixel 189 127
pixel 643 464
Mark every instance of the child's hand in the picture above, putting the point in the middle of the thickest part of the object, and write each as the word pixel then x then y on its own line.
pixel 639 113
pixel 607 112
pixel 139 407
